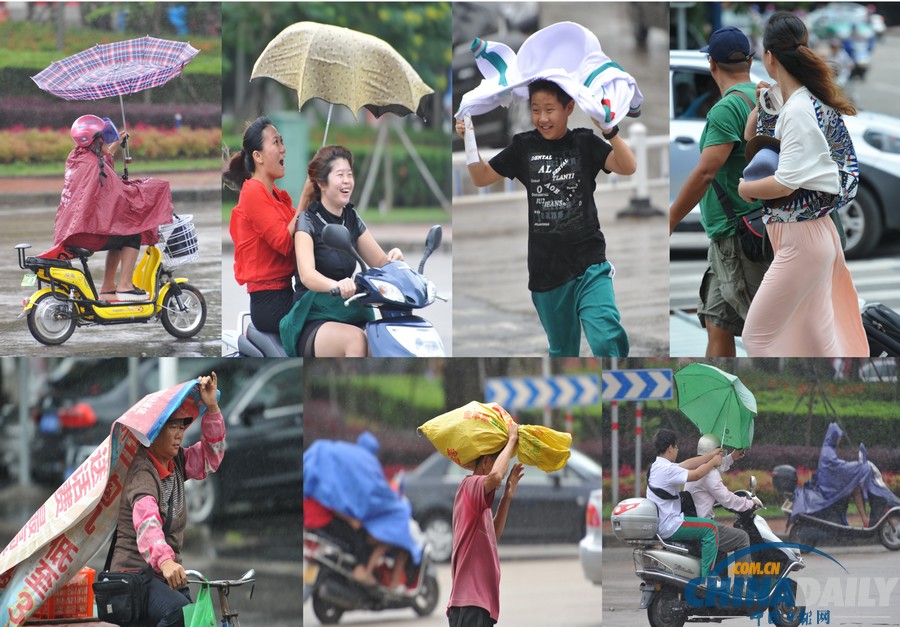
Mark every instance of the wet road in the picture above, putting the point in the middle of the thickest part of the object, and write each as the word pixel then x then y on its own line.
pixel 35 226
pixel 493 312
pixel 867 594
pixel 550 592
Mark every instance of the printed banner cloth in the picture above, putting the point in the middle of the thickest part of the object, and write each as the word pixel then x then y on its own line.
pixel 79 518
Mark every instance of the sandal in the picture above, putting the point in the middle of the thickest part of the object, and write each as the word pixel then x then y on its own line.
pixel 134 294
pixel 108 296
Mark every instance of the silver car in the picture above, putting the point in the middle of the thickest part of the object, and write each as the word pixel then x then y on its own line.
pixel 876 138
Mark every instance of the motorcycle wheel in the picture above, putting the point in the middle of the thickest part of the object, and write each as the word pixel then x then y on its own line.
pixel 327 613
pixel 44 324
pixel 184 324
pixel 787 615
pixel 665 609
pixel 889 532
pixel 427 599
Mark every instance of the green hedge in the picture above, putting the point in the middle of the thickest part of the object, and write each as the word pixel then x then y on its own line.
pixel 48 146
pixel 410 188
pixel 387 399
pixel 188 88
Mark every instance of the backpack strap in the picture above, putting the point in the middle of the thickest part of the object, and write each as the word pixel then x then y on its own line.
pixel 717 188
pixel 668 496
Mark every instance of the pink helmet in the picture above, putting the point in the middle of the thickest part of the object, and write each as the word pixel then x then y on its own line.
pixel 85 129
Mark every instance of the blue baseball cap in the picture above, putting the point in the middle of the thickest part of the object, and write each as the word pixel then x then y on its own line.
pixel 725 43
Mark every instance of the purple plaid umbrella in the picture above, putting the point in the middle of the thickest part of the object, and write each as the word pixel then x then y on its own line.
pixel 123 67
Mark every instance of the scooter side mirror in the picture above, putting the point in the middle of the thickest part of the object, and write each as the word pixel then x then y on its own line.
pixel 432 241
pixel 753 485
pixel 337 236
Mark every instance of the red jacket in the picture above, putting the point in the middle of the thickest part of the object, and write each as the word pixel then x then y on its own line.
pixel 263 248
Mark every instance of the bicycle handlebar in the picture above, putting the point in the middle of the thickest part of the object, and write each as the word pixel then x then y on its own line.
pixel 248 577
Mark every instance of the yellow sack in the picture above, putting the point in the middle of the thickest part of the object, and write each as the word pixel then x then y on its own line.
pixel 475 429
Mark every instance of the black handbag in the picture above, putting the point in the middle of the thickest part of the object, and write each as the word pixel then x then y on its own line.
pixel 751 230
pixel 121 596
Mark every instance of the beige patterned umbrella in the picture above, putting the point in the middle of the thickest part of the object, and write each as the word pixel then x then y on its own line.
pixel 343 67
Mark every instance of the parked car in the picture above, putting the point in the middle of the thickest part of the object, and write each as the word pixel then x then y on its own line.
pixel 262 403
pixel 876 138
pixel 78 408
pixel 263 462
pixel 590 549
pixel 548 507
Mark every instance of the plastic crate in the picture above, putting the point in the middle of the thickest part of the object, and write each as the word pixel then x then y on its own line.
pixel 74 600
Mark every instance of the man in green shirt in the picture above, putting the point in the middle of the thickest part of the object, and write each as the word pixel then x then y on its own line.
pixel 731 280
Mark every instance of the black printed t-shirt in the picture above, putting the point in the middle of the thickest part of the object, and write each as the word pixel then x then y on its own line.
pixel 333 263
pixel 564 236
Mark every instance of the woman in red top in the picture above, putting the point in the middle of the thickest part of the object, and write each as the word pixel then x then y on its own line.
pixel 262 225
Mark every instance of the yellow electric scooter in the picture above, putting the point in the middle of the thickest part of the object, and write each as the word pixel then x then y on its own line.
pixel 66 296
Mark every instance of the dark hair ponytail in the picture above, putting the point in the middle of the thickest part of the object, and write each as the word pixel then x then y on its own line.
pixel 241 166
pixel 787 39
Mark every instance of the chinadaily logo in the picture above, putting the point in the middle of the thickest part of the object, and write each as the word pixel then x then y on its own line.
pixel 764 576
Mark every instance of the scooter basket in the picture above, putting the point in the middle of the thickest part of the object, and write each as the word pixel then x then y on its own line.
pixel 178 241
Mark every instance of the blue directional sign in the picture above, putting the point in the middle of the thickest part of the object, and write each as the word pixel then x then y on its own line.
pixel 539 392
pixel 637 385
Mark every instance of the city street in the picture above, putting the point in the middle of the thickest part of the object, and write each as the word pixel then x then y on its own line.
pixel 35 226
pixel 867 594
pixel 548 591
pixel 877 278
pixel 492 309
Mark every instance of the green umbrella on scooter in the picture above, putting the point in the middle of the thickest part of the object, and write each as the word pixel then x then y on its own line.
pixel 717 403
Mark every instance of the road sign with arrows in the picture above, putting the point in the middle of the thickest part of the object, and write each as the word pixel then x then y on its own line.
pixel 637 385
pixel 543 392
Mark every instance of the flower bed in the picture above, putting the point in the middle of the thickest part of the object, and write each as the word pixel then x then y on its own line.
pixel 32 145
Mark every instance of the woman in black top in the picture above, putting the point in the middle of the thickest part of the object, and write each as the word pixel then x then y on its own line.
pixel 326 198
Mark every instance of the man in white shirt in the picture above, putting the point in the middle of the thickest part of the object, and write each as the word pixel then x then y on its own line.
pixel 664 481
pixel 709 490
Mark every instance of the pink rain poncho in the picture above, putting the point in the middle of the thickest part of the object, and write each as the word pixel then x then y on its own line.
pixel 96 203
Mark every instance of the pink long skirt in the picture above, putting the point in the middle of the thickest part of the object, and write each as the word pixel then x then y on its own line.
pixel 806 305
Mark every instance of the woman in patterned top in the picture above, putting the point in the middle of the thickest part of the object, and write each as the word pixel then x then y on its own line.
pixel 806 305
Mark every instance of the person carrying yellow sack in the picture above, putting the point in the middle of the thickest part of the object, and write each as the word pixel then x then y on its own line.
pixel 465 434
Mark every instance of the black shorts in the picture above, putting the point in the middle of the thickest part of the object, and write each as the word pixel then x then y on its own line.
pixel 268 307
pixel 306 345
pixel 470 616
pixel 118 242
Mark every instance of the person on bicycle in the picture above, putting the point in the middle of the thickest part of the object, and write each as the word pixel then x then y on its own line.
pixel 99 211
pixel 154 487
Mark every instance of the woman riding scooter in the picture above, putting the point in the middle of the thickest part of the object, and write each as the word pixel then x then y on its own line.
pixel 100 211
pixel 818 511
pixel 320 325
